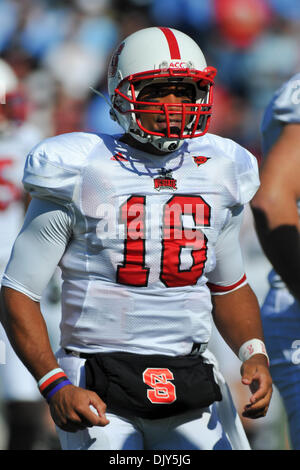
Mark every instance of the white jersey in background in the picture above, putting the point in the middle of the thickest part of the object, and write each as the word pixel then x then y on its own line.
pixel 16 383
pixel 137 237
pixel 15 143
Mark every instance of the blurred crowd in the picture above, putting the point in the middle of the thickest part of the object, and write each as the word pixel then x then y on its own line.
pixel 60 48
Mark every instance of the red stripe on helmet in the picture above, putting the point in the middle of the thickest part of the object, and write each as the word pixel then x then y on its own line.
pixel 172 43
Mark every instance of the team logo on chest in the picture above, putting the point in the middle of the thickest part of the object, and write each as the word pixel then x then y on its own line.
pixel 165 180
pixel 199 159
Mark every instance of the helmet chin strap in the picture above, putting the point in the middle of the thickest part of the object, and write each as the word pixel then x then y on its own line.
pixel 166 145
pixel 160 143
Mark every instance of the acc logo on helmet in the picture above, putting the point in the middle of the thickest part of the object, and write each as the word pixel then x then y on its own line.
pixel 178 65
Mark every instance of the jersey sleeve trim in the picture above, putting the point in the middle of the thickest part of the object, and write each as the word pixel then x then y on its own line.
pixel 13 284
pixel 219 290
pixel 53 167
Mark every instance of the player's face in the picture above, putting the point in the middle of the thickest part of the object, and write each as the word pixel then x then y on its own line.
pixel 167 94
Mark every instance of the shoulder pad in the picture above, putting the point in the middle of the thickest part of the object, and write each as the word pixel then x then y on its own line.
pixel 285 103
pixel 243 178
pixel 283 109
pixel 53 167
pixel 247 174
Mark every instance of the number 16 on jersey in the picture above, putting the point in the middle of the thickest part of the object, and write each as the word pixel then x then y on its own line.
pixel 133 271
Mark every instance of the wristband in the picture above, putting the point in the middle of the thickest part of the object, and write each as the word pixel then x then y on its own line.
pixel 251 347
pixel 53 381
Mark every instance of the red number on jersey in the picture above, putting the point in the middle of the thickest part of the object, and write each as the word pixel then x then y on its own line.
pixel 175 238
pixel 133 270
pixel 162 391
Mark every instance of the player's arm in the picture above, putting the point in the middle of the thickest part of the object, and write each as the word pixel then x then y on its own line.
pixel 275 207
pixel 36 253
pixel 236 315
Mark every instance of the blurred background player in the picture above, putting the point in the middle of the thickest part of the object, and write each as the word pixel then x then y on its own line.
pixel 25 412
pixel 276 209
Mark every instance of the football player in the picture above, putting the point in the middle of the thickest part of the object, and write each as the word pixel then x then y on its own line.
pixel 145 228
pixel 276 211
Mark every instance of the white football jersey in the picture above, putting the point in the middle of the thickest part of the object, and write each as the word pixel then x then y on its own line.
pixel 284 108
pixel 15 144
pixel 144 237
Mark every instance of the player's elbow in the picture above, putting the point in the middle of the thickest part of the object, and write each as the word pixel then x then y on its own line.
pixel 263 207
pixel 13 303
pixel 263 202
pixel 260 213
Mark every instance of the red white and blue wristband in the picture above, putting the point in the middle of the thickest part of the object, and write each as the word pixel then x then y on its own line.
pixel 52 382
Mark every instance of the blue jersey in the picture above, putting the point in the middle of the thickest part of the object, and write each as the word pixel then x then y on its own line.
pixel 284 108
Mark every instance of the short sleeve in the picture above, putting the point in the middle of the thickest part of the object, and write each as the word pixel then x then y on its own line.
pixel 284 108
pixel 236 169
pixel 38 248
pixel 229 272
pixel 53 167
pixel 286 103
pixel 246 173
